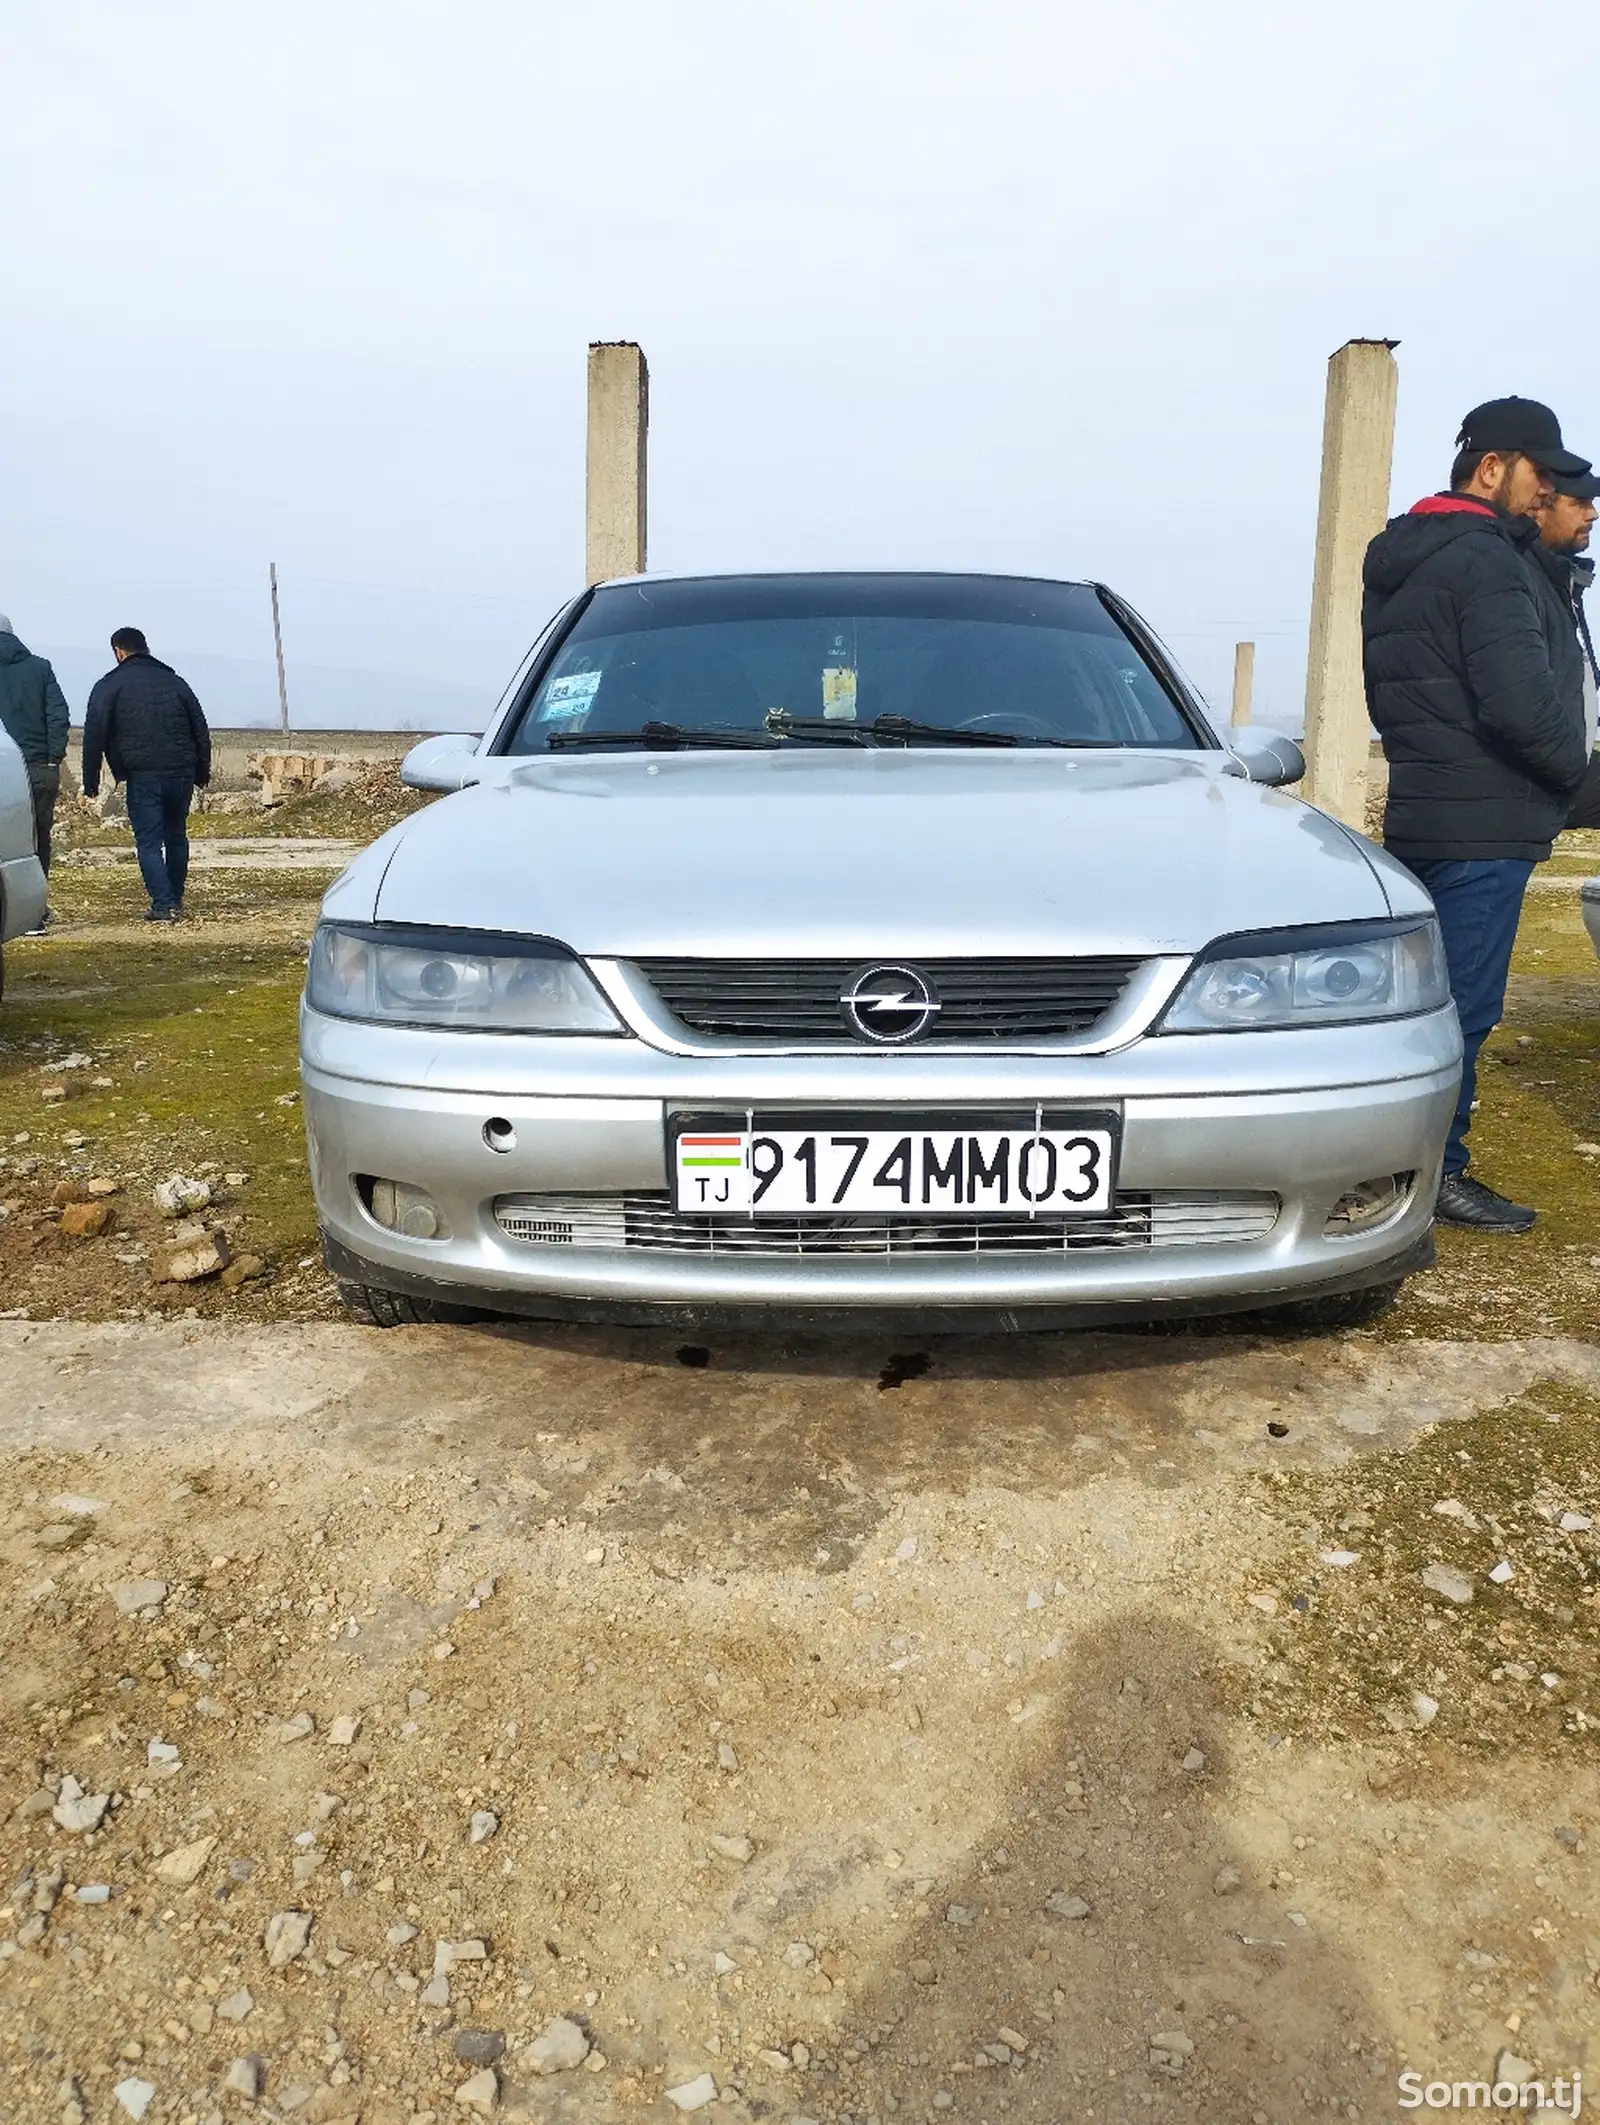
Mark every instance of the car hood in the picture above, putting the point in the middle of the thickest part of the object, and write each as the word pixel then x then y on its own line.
pixel 904 852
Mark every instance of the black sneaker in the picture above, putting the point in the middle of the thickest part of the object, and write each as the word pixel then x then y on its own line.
pixel 162 915
pixel 1468 1203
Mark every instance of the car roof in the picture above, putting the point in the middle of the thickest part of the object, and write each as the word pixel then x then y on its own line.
pixel 802 575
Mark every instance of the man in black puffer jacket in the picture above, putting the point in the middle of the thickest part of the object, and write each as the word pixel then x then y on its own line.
pixel 1485 753
pixel 146 724
pixel 34 710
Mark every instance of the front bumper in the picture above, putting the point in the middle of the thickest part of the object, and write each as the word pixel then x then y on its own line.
pixel 1303 1116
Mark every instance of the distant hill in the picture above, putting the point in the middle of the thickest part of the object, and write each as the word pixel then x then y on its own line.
pixel 242 693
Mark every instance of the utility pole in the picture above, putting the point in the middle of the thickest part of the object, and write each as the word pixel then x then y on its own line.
pixel 277 643
pixel 1244 680
pixel 1357 448
pixel 618 461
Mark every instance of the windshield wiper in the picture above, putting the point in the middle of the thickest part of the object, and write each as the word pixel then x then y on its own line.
pixel 903 727
pixel 783 725
pixel 780 726
pixel 667 736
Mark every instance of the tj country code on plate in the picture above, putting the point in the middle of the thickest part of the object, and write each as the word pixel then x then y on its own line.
pixel 927 1172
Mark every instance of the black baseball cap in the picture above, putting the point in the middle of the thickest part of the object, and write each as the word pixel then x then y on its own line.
pixel 1583 486
pixel 1522 425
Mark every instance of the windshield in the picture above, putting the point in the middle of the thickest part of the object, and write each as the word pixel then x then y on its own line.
pixel 916 659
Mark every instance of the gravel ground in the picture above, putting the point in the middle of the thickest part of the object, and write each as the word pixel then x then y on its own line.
pixel 956 1747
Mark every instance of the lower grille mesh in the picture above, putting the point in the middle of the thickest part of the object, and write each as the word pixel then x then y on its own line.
pixel 1163 1218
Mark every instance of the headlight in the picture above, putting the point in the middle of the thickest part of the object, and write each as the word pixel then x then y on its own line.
pixel 465 980
pixel 1313 977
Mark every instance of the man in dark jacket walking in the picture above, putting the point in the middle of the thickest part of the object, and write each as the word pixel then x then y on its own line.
pixel 34 710
pixel 1564 574
pixel 147 726
pixel 1485 754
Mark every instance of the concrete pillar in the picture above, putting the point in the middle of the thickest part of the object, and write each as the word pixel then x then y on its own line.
pixel 619 425
pixel 1357 447
pixel 1244 680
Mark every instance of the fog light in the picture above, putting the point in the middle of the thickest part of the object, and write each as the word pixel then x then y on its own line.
pixel 1360 1208
pixel 412 1212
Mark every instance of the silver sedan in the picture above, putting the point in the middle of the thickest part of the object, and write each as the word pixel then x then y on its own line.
pixel 22 893
pixel 845 949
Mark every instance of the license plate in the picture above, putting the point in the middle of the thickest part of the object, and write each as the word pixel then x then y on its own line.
pixel 792 1166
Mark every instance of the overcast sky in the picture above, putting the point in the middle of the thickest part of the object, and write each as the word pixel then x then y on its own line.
pixel 1040 287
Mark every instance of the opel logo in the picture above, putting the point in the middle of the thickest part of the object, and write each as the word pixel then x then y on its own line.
pixel 889 1005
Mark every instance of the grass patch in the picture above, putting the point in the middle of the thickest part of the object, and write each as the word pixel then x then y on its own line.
pixel 1551 938
pixel 1351 1648
pixel 113 893
pixel 1538 1100
pixel 191 1067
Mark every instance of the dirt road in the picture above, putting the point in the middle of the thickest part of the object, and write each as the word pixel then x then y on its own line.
pixel 1049 1730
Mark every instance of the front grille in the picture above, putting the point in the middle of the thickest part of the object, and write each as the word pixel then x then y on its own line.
pixel 1161 1218
pixel 798 999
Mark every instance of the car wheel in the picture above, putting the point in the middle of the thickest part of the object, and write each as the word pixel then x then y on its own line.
pixel 1344 1309
pixel 392 1309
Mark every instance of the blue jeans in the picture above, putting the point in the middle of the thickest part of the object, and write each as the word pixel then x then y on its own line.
pixel 1479 905
pixel 158 812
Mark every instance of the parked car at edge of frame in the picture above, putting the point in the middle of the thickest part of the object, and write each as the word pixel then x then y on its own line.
pixel 852 949
pixel 1591 911
pixel 22 888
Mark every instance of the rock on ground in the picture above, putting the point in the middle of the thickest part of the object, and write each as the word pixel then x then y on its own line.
pixel 246 2077
pixel 185 1864
pixel 693 2095
pixel 559 2047
pixel 287 1936
pixel 480 2094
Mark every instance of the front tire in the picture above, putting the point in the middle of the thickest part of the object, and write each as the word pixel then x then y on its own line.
pixel 392 1309
pixel 1341 1309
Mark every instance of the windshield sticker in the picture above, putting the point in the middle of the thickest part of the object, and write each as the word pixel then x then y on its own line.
pixel 839 693
pixel 572 696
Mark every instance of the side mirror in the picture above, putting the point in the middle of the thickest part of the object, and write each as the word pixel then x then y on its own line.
pixel 1269 756
pixel 445 763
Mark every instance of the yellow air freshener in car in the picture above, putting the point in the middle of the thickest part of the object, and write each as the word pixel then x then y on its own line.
pixel 839 686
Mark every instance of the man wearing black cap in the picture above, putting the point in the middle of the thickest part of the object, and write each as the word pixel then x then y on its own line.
pixel 1565 573
pixel 1486 753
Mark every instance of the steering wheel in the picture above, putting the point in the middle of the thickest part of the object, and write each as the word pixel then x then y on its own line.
pixel 1021 726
